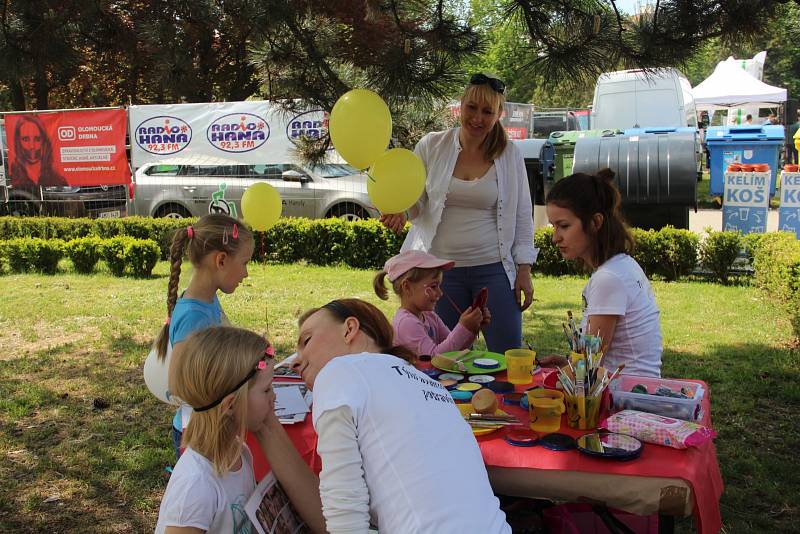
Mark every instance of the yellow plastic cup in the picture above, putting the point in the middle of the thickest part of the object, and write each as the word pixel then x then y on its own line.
pixel 583 417
pixel 545 407
pixel 520 365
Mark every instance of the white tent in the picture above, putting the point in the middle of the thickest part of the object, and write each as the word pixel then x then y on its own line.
pixel 730 86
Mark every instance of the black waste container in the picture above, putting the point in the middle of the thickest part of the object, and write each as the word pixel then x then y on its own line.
pixel 656 174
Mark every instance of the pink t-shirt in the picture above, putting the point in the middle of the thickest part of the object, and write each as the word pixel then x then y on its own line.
pixel 429 335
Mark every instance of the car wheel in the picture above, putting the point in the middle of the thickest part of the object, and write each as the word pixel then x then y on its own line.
pixel 349 211
pixel 173 211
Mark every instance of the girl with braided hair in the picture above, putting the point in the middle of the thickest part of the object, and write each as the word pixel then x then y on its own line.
pixel 618 300
pixel 219 248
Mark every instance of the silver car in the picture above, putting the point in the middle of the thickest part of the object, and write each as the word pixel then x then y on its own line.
pixel 170 189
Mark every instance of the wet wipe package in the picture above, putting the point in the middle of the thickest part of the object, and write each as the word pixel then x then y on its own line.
pixel 658 429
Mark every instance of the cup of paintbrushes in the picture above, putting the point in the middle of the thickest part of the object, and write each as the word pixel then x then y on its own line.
pixel 582 411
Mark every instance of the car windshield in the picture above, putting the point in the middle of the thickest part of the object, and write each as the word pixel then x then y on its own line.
pixel 334 170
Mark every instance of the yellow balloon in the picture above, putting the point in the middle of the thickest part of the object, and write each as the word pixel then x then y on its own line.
pixel 396 180
pixel 261 206
pixel 360 126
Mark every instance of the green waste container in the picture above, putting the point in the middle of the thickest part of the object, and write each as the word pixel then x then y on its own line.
pixel 559 150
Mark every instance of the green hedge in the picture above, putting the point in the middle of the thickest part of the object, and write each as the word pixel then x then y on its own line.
pixel 718 251
pixel 677 251
pixel 33 254
pixel 122 254
pixel 549 260
pixel 364 244
pixel 669 253
pixel 84 252
pixel 777 267
pixel 125 254
pixel 159 230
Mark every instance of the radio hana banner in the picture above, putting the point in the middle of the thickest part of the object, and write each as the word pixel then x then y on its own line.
pixel 67 148
pixel 249 132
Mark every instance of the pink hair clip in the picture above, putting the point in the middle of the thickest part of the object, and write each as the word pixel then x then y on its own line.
pixel 270 351
pixel 167 321
pixel 190 232
pixel 235 233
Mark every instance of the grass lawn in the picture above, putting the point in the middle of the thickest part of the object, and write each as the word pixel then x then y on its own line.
pixel 84 444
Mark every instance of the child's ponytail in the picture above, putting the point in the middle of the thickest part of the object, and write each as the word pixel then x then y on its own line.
pixel 179 242
pixel 379 285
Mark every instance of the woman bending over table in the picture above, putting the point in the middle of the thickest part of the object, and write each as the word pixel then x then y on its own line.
pixel 476 210
pixel 618 301
pixel 395 450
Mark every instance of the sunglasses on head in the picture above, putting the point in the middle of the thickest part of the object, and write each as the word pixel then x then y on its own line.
pixel 494 83
pixel 269 354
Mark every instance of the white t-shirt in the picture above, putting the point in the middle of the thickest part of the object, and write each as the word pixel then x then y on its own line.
pixel 197 497
pixel 421 463
pixel 620 287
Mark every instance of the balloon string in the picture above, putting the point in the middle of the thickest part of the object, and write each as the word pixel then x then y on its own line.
pixel 263 255
pixel 264 273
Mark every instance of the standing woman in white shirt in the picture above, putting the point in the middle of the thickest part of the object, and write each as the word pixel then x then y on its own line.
pixel 476 210
pixel 618 301
pixel 395 449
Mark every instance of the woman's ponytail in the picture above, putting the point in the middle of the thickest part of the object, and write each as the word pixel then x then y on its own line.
pixel 402 352
pixel 608 196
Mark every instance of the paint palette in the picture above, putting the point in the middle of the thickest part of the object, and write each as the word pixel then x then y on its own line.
pixel 468 359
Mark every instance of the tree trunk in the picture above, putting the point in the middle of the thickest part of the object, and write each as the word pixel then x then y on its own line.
pixel 41 89
pixel 17 95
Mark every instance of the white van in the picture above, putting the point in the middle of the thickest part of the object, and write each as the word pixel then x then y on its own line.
pixel 638 99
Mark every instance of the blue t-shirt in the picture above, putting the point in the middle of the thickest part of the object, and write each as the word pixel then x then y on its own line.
pixel 190 315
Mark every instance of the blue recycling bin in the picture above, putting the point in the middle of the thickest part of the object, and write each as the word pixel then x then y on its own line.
pixel 743 144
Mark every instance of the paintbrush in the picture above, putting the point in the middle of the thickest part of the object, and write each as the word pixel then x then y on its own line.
pixel 452 303
pixel 483 417
pixel 459 312
pixel 615 373
pixel 492 424
pixel 567 336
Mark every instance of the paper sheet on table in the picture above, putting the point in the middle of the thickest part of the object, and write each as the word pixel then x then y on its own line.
pixel 283 369
pixel 291 403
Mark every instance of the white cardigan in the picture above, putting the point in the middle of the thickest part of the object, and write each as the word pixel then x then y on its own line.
pixel 439 152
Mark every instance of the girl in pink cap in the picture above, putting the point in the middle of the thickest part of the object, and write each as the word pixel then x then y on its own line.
pixel 416 277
